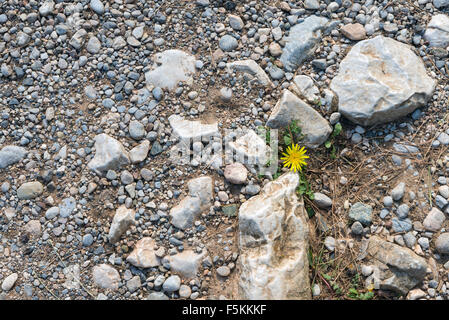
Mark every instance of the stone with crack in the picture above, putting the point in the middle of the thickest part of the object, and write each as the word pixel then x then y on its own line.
pixel 273 240
pixel 400 268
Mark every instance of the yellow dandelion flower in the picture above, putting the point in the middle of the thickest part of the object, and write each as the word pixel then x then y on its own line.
pixel 295 158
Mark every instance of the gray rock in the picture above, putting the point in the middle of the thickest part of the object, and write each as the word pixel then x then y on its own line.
pixel 143 255
pixel 123 219
pixel 9 282
pixel 228 43
pixel 30 190
pixel 194 130
pixel 172 284
pixel 133 284
pixel 184 214
pixel 305 88
pixel 186 263
pixel 235 22
pixel 223 271
pixel 136 130
pixel 357 228
pixel 93 45
pixel 398 192
pixel 371 73
pixel 106 277
pixel 401 225
pixel 46 8
pixel 403 148
pixel 10 155
pixel 440 3
pixel 400 269
pixel 434 220
pixel 250 67
pixel 442 243
pixel 362 213
pixel 322 201
pixel 157 296
pixel 97 6
pixel 402 211
pixel 66 207
pixel 184 291
pixel 314 127
pixel 302 41
pixel 110 155
pixel 201 188
pixel 437 32
pixel 140 152
pixel 236 173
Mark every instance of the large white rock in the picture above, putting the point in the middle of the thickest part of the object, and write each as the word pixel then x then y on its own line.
pixel 314 127
pixel 109 155
pixel 437 32
pixel 123 219
pixel 174 66
pixel 381 80
pixel 273 243
pixel 252 68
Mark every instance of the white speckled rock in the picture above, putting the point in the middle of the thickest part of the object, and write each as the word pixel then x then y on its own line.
pixel 143 255
pixel 269 269
pixel 175 66
pixel 381 80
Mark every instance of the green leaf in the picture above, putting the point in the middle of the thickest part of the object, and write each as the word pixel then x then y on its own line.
pixel 287 140
pixel 327 144
pixel 337 129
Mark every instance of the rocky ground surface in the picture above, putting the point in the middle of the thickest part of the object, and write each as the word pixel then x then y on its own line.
pixel 97 95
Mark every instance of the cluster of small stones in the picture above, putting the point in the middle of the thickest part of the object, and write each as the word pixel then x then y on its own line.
pixel 87 186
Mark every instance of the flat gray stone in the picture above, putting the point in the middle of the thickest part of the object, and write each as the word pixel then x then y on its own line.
pixel 314 127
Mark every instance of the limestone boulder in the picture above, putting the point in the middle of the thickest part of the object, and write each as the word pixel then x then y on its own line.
pixel 381 80
pixel 273 240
